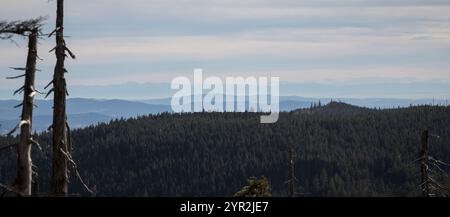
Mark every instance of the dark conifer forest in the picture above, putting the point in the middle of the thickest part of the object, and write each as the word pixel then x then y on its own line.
pixel 340 150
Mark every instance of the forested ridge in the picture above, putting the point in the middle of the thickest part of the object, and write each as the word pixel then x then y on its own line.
pixel 341 150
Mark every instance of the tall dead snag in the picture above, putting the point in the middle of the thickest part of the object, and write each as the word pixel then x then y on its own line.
pixel 60 179
pixel 62 147
pixel 432 170
pixel 291 167
pixel 425 181
pixel 23 181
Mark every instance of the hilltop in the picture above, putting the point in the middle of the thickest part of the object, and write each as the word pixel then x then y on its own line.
pixel 342 150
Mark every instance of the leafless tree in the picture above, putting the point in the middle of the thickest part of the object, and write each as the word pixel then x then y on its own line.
pixel 62 147
pixel 424 167
pixel 431 168
pixel 59 185
pixel 31 29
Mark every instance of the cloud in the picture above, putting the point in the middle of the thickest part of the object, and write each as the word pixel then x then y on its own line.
pixel 318 75
pixel 98 56
pixel 278 43
pixel 119 41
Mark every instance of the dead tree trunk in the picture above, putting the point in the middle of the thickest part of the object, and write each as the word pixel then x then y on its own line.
pixel 59 185
pixel 24 174
pixel 425 184
pixel 291 168
pixel 31 29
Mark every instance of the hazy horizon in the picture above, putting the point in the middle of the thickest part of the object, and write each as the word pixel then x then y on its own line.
pixel 383 90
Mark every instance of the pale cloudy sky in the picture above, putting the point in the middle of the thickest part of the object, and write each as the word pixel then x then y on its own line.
pixel 347 43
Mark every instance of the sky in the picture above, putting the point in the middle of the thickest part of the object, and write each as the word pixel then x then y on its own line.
pixel 319 48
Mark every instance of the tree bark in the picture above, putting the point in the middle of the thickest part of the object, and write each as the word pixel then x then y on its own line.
pixel 23 180
pixel 59 171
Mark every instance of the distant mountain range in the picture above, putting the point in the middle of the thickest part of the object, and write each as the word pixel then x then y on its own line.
pixel 292 102
pixel 84 112
pixel 80 112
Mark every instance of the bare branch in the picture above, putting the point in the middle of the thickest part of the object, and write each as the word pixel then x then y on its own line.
pixel 17 106
pixel 8 29
pixel 34 142
pixel 438 161
pixel 49 92
pixel 39 91
pixel 74 166
pixel 18 68
pixel 46 86
pixel 70 52
pixel 12 190
pixel 19 90
pixel 19 125
pixel 52 49
pixel 15 77
pixel 54 31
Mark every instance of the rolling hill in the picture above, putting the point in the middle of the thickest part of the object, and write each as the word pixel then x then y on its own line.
pixel 342 150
